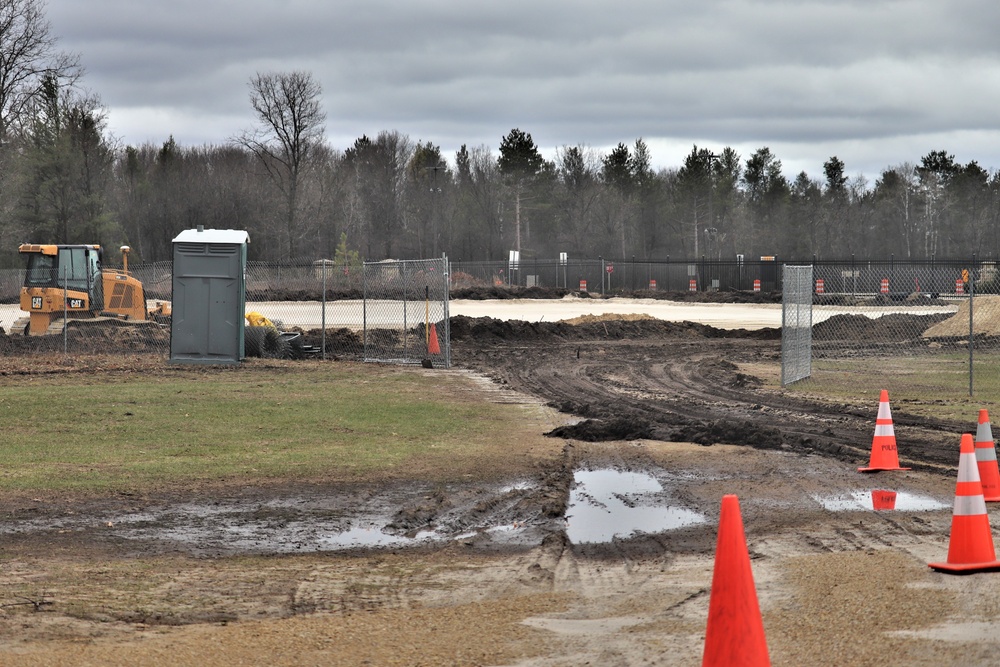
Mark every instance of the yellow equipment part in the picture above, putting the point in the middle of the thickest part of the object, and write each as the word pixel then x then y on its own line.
pixel 255 319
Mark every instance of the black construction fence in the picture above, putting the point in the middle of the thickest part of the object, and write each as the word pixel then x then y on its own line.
pixel 608 276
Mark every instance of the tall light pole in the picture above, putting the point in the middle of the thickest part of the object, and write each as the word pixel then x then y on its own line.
pixel 435 190
pixel 710 159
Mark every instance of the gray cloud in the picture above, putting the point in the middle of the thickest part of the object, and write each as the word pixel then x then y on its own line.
pixel 875 83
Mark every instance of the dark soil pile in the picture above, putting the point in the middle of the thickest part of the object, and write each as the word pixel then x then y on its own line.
pixel 888 328
pixel 506 292
pixel 487 329
pixel 92 337
pixel 592 430
pixel 916 299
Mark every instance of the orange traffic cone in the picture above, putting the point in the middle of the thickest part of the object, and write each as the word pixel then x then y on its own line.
pixel 883 500
pixel 735 632
pixel 884 455
pixel 970 548
pixel 986 459
pixel 432 346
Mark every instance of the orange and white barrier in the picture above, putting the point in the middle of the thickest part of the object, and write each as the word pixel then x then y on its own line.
pixel 693 285
pixel 883 500
pixel 959 286
pixel 583 285
pixel 820 286
pixel 652 283
pixel 756 285
pixel 884 455
pixel 970 546
pixel 986 459
pixel 885 286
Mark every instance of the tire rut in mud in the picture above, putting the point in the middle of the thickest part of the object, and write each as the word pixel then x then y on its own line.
pixel 678 382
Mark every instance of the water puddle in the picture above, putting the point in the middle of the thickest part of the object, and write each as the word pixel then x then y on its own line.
pixel 608 504
pixel 879 500
pixel 370 536
pixel 295 524
pixel 604 505
pixel 236 529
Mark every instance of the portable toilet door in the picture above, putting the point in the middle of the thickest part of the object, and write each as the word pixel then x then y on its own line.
pixel 209 296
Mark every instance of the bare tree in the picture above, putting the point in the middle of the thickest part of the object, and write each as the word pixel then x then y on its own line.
pixel 28 56
pixel 290 128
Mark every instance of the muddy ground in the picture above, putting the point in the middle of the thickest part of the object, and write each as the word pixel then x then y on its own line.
pixel 501 570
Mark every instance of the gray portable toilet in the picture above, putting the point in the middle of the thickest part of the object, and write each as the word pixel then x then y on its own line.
pixel 209 296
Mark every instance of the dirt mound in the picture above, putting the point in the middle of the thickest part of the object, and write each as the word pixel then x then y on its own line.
pixel 913 299
pixel 506 292
pixel 589 319
pixel 985 319
pixel 736 296
pixel 888 328
pixel 91 337
pixel 516 292
pixel 592 430
pixel 485 329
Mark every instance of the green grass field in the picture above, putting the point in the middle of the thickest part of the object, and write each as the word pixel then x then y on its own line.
pixel 302 422
pixel 935 385
pixel 342 421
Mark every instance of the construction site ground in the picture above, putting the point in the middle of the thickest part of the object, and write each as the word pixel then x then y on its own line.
pixel 510 567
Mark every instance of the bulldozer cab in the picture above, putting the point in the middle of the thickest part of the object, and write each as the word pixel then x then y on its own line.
pixel 76 268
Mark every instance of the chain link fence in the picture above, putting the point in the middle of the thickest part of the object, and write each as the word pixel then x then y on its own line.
pixel 796 324
pixel 922 327
pixel 867 322
pixel 406 312
pixel 318 309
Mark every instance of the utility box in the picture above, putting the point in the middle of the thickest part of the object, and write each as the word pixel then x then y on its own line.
pixel 209 296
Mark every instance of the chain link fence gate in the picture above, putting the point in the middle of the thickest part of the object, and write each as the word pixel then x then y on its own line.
pixel 406 312
pixel 917 329
pixel 796 324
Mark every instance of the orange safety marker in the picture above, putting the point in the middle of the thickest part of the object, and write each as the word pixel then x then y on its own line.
pixel 433 347
pixel 884 455
pixel 986 459
pixel 883 500
pixel 735 631
pixel 970 547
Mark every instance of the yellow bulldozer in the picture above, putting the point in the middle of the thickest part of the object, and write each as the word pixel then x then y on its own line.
pixel 67 283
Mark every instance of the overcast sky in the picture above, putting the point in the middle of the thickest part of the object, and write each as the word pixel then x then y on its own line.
pixel 875 83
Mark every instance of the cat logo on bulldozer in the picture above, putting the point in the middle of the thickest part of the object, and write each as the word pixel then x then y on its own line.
pixel 76 303
pixel 36 302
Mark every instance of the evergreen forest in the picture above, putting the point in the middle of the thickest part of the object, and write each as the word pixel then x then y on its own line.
pixel 65 179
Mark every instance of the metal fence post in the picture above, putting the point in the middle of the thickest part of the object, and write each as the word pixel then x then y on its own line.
pixel 66 311
pixel 446 273
pixel 406 337
pixel 364 310
pixel 322 333
pixel 972 289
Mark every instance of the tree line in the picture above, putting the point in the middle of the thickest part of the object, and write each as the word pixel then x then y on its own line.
pixel 65 179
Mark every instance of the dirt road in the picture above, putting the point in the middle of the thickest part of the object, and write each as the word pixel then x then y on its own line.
pixel 681 382
pixel 672 415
